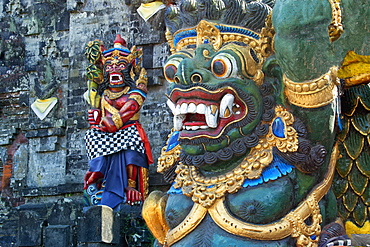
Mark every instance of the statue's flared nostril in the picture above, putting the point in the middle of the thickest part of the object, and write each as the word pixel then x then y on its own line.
pixel 177 80
pixel 196 78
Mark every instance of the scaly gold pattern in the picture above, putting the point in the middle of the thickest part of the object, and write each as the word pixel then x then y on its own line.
pixel 290 225
pixel 205 190
pixel 313 93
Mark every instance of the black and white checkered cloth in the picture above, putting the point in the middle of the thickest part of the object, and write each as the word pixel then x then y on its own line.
pixel 99 143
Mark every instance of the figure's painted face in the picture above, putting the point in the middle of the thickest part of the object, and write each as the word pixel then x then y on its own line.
pixel 114 70
pixel 212 95
pixel 116 61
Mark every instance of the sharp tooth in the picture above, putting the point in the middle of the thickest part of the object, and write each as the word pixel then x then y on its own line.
pixel 211 116
pixel 226 105
pixel 201 108
pixel 178 121
pixel 194 127
pixel 177 110
pixel 192 108
pixel 188 127
pixel 204 127
pixel 171 105
pixel 184 108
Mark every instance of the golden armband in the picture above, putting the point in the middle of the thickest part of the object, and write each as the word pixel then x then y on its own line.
pixel 313 93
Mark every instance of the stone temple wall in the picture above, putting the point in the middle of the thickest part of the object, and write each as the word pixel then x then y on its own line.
pixel 42 162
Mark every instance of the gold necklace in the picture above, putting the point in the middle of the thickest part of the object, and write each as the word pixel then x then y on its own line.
pixel 205 190
pixel 113 95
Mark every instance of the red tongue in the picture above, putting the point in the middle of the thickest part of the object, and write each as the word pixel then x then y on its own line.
pixel 195 119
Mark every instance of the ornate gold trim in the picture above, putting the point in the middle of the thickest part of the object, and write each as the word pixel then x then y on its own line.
pixel 138 98
pixel 335 28
pixel 116 117
pixel 209 32
pixel 191 221
pixel 313 93
pixel 115 95
pixel 168 158
pixel 206 190
pixel 291 225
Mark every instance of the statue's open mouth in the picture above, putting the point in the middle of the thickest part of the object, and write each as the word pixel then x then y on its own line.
pixel 199 112
pixel 115 78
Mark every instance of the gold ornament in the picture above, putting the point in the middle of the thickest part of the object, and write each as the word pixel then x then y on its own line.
pixel 335 28
pixel 218 34
pixel 168 158
pixel 313 93
pixel 355 69
pixel 131 183
pixel 206 190
pixel 115 95
pixel 293 224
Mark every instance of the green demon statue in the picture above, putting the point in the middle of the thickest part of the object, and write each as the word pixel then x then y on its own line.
pixel 253 151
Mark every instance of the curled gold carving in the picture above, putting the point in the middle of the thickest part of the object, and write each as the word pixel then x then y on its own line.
pixel 290 225
pixel 313 93
pixel 168 158
pixel 208 33
pixel 206 190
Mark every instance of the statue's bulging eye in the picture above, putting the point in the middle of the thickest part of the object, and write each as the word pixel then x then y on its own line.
pixel 224 65
pixel 170 69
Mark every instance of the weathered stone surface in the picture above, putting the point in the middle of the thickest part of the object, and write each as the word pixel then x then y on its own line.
pixel 42 55
pixel 99 225
pixel 58 236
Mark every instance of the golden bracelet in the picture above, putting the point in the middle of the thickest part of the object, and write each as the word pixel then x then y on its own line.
pixel 131 183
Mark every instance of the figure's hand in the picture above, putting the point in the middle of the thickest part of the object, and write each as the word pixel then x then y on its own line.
pixel 132 195
pixel 108 125
pixel 92 177
pixel 94 116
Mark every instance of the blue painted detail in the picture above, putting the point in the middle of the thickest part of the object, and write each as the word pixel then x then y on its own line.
pixel 271 173
pixel 175 191
pixel 313 237
pixel 173 141
pixel 210 186
pixel 339 120
pixel 120 49
pixel 278 127
pixel 283 167
pixel 275 170
pixel 183 35
pixel 236 30
pixel 206 41
pixel 137 91
pixel 252 182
